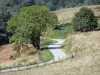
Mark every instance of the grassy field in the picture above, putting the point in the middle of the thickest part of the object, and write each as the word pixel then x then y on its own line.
pixel 65 15
pixel 86 61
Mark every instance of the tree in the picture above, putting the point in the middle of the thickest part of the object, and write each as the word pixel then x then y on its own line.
pixel 91 2
pixel 30 23
pixel 84 20
pixel 14 5
pixel 4 17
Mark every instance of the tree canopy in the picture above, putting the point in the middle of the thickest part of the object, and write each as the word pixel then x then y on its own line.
pixel 15 5
pixel 4 17
pixel 30 23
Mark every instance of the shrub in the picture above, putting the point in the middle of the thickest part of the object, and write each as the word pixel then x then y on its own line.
pixel 84 20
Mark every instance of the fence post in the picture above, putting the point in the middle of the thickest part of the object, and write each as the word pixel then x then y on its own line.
pixel 0 69
pixel 53 60
pixel 10 68
pixel 44 63
pixel 66 56
pixel 27 66
pixel 18 67
pixel 59 58
pixel 37 64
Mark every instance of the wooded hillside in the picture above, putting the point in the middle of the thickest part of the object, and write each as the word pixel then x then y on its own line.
pixel 14 5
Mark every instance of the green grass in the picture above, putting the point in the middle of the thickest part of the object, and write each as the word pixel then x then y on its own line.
pixel 67 46
pixel 63 32
pixel 98 22
pixel 45 55
pixel 44 46
pixel 47 41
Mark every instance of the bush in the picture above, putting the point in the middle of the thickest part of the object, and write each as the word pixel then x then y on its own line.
pixel 84 20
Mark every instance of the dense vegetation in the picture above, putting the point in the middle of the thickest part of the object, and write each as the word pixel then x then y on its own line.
pixel 29 25
pixel 14 5
pixel 61 31
pixel 4 17
pixel 85 20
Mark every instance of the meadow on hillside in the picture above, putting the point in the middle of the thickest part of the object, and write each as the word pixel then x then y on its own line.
pixel 65 15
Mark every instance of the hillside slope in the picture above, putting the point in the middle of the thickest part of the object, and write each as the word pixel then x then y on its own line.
pixel 86 62
pixel 65 15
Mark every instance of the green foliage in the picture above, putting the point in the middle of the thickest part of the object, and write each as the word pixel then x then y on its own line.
pixel 4 17
pixel 84 20
pixel 66 3
pixel 14 5
pixel 30 23
pixel 62 32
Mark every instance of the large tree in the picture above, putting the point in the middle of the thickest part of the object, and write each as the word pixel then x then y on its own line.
pixel 30 23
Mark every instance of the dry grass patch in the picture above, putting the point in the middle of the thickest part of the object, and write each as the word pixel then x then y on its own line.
pixel 6 51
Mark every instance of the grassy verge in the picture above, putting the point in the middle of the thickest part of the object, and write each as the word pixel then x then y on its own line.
pixel 44 47
pixel 45 55
pixel 47 41
pixel 10 67
pixel 98 22
pixel 67 46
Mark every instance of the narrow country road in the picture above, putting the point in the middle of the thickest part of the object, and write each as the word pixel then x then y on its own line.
pixel 57 51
